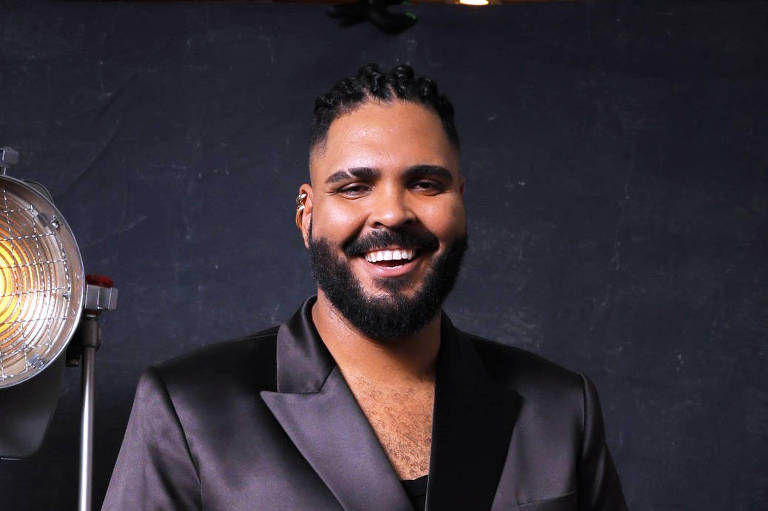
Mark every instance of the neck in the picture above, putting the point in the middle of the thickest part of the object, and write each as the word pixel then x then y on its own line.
pixel 400 360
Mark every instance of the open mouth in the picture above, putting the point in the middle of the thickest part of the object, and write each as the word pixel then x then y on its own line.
pixel 390 258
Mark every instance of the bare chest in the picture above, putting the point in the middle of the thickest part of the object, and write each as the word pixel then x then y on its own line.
pixel 402 420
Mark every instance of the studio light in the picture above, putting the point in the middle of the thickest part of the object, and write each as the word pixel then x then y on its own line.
pixel 48 306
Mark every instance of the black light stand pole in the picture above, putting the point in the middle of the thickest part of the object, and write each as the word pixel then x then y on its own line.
pixel 99 296
pixel 91 339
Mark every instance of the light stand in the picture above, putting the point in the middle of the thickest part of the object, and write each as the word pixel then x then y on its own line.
pixel 99 296
pixel 45 302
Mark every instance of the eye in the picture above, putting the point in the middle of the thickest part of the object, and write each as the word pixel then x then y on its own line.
pixel 353 190
pixel 428 187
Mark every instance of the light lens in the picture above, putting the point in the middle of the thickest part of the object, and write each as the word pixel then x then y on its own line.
pixel 41 282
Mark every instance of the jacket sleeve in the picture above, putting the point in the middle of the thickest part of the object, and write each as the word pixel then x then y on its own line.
pixel 154 470
pixel 599 485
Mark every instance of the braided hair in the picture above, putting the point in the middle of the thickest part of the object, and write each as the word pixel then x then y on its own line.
pixel 371 83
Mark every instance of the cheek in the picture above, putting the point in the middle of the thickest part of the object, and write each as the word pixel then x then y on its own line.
pixel 446 220
pixel 335 222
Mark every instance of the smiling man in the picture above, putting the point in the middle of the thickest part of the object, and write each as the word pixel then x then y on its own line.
pixel 369 399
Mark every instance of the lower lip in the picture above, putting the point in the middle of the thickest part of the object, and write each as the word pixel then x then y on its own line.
pixel 391 271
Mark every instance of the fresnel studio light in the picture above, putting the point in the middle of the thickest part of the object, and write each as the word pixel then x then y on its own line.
pixel 48 309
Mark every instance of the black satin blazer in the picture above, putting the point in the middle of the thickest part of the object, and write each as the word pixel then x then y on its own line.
pixel 268 423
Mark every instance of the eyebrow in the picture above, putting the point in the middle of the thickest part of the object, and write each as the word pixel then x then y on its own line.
pixel 417 171
pixel 436 171
pixel 358 172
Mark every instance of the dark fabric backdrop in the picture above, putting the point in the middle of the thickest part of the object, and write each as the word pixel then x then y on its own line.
pixel 617 194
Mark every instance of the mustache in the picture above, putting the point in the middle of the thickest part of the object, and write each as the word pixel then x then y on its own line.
pixel 410 239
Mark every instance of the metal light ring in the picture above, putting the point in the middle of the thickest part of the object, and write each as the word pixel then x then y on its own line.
pixel 36 320
pixel 29 278
pixel 23 250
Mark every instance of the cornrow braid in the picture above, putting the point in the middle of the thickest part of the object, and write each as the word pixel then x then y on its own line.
pixel 371 83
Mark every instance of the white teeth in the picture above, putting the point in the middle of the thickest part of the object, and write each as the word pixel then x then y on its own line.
pixel 389 255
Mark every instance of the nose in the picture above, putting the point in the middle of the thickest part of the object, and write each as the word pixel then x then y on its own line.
pixel 391 208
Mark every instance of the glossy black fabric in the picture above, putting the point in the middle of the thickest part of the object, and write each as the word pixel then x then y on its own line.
pixel 268 422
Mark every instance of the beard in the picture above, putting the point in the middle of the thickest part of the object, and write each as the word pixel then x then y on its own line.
pixel 391 313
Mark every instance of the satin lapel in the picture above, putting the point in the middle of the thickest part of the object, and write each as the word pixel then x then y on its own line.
pixel 318 412
pixel 471 429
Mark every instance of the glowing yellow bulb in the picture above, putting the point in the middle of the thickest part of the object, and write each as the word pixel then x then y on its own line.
pixel 473 2
pixel 9 301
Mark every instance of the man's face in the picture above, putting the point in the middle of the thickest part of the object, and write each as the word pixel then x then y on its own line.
pixel 384 217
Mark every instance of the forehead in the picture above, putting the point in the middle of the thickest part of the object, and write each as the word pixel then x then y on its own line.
pixel 384 135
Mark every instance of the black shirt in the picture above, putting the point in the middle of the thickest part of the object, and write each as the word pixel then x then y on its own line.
pixel 417 491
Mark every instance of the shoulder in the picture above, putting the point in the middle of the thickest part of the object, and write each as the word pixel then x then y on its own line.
pixel 535 378
pixel 555 403
pixel 243 363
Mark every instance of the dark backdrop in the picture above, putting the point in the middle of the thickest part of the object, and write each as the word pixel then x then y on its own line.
pixel 617 192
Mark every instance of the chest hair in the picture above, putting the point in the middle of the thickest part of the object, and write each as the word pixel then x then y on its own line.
pixel 401 417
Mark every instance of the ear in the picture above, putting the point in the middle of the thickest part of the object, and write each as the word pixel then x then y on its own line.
pixel 306 213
